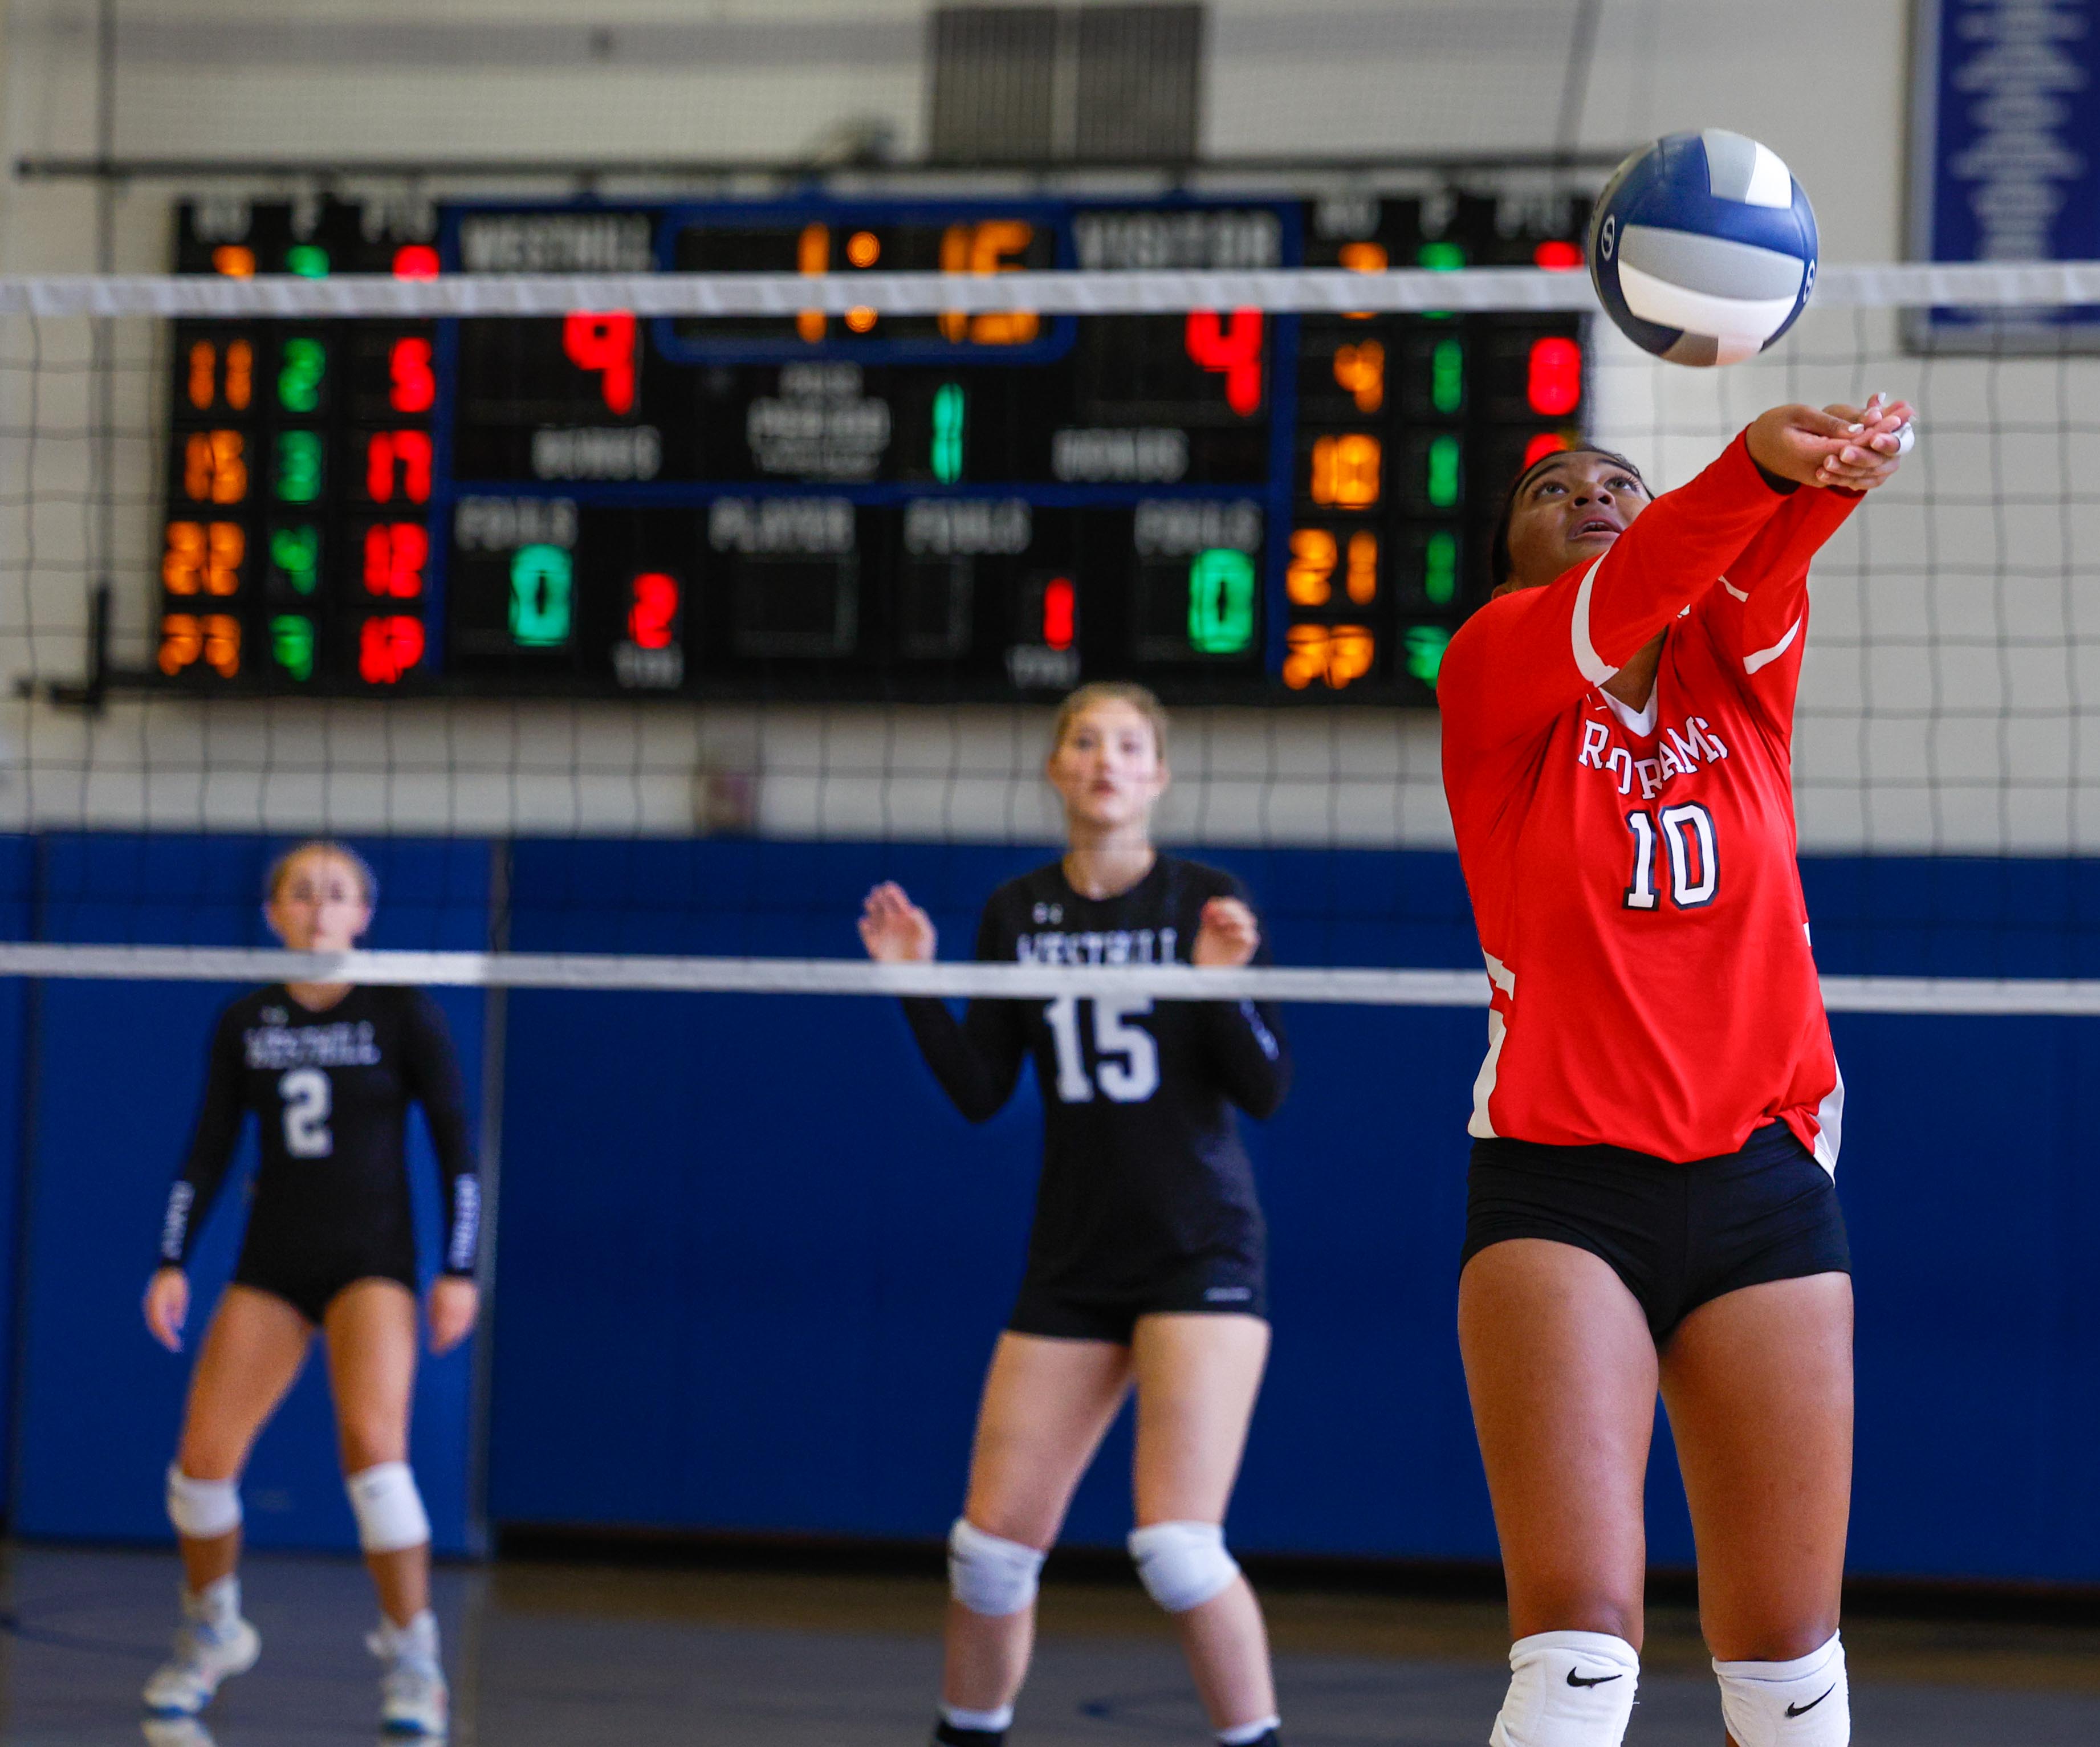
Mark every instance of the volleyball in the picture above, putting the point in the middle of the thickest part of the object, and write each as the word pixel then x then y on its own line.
pixel 1702 248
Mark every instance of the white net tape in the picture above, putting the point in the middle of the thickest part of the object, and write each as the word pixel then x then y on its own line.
pixel 769 975
pixel 1281 291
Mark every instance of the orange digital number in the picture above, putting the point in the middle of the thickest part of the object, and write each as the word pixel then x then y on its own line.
pixel 214 467
pixel 1338 654
pixel 203 559
pixel 204 383
pixel 1363 567
pixel 1308 580
pixel 215 638
pixel 1360 369
pixel 997 245
pixel 1346 470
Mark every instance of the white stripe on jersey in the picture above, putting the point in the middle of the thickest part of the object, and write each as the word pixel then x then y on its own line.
pixel 1592 666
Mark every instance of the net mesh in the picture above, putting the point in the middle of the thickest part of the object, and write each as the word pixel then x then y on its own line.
pixel 1945 709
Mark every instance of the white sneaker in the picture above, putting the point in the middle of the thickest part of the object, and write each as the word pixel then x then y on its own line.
pixel 413 1697
pixel 214 1643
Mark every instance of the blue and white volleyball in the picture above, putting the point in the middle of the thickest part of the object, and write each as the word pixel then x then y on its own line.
pixel 1702 248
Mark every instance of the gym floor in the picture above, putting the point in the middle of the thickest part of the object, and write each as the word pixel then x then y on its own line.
pixel 549 1654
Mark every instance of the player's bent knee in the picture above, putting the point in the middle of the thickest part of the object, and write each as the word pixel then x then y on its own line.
pixel 1182 1565
pixel 388 1507
pixel 202 1510
pixel 989 1576
pixel 1567 1689
pixel 1805 1703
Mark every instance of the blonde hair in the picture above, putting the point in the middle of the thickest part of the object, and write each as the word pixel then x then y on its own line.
pixel 1139 698
pixel 281 870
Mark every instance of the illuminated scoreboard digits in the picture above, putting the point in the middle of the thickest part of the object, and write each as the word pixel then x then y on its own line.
pixel 289 562
pixel 1228 504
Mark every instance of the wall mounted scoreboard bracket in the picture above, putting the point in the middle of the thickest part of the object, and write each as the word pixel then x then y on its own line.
pixel 1230 506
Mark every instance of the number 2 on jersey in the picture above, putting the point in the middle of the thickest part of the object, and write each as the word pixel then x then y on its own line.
pixel 307 1103
pixel 1687 834
pixel 1128 1055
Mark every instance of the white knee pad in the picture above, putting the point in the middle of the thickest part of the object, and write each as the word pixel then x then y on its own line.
pixel 989 1576
pixel 1804 1703
pixel 202 1510
pixel 1182 1565
pixel 1567 1689
pixel 388 1509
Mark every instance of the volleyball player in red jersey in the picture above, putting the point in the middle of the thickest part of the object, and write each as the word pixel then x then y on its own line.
pixel 1651 1203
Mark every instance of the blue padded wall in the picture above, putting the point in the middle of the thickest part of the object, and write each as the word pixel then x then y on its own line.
pixel 751 1264
pixel 115 1082
pixel 751 1240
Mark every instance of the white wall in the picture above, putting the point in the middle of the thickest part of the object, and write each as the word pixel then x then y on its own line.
pixel 1944 700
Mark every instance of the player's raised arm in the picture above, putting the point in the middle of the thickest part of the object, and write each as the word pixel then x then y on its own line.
pixel 1589 568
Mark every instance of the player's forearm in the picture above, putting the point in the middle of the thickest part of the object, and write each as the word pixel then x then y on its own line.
pixel 1673 554
pixel 959 1056
pixel 1250 1055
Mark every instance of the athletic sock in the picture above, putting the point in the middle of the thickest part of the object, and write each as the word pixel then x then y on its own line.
pixel 955 1727
pixel 1260 1733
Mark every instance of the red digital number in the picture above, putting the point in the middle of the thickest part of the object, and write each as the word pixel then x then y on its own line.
pixel 605 343
pixel 407 452
pixel 389 647
pixel 1061 612
pixel 411 384
pixel 394 555
pixel 1545 443
pixel 415 261
pixel 1554 383
pixel 655 611
pixel 1231 345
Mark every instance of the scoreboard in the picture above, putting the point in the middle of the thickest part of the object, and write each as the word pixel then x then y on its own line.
pixel 1231 507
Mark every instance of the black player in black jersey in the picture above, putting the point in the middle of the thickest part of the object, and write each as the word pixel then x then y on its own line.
pixel 329 1070
pixel 1145 1259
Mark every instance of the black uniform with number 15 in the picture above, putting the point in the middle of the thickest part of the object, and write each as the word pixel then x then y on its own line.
pixel 1147 1199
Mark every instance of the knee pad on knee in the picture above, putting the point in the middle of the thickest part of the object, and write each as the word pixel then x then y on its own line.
pixel 1182 1565
pixel 989 1576
pixel 388 1509
pixel 1805 1703
pixel 1567 1689
pixel 202 1510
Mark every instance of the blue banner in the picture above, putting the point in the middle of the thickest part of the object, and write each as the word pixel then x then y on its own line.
pixel 2005 155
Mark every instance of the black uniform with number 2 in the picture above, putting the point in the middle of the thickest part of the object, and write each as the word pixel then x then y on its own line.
pixel 332 1090
pixel 1147 1199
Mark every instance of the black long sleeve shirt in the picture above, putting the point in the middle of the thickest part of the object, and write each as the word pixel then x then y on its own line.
pixel 332 1091
pixel 1143 1167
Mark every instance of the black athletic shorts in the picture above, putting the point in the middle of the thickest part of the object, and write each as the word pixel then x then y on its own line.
pixel 309 1284
pixel 1677 1235
pixel 1218 1285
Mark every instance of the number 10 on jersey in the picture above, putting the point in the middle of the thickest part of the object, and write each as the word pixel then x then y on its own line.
pixel 1127 1055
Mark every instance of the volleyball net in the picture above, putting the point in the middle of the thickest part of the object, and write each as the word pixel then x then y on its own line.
pixel 633 619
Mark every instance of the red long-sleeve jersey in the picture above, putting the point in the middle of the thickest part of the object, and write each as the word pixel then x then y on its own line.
pixel 1633 878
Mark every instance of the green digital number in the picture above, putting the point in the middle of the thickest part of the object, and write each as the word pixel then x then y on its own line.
pixel 1220 601
pixel 948 410
pixel 1447 377
pixel 308 260
pixel 291 642
pixel 1440 568
pixel 1442 485
pixel 299 467
pixel 296 552
pixel 299 375
pixel 1424 645
pixel 542 582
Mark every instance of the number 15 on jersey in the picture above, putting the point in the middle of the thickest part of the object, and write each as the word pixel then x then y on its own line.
pixel 1127 1055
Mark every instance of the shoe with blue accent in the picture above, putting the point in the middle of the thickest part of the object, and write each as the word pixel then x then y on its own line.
pixel 413 1697
pixel 215 1645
